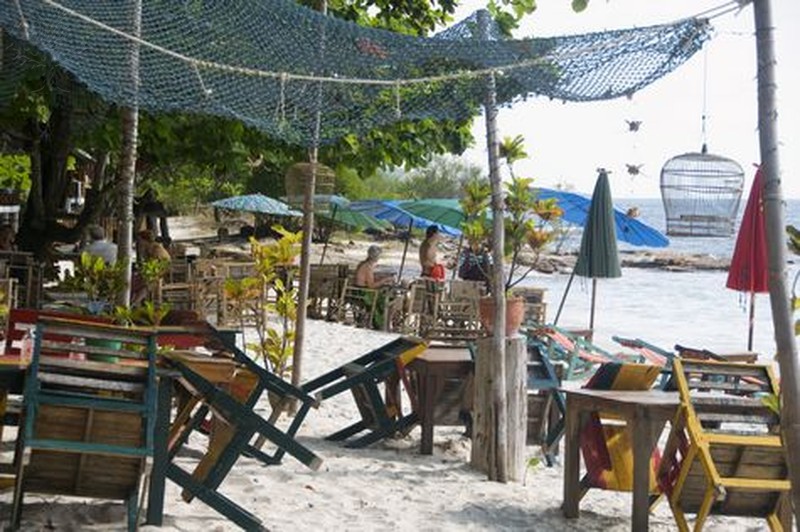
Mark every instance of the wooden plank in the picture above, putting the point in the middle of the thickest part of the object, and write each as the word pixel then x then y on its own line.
pixel 87 382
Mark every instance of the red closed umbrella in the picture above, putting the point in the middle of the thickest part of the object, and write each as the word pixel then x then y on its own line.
pixel 748 271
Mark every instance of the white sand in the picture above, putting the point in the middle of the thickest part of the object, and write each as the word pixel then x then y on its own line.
pixel 388 486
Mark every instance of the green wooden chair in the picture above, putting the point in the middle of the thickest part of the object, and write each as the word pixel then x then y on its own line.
pixel 88 425
pixel 366 377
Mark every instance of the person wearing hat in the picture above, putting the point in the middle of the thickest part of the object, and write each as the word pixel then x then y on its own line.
pixel 428 255
pixel 365 278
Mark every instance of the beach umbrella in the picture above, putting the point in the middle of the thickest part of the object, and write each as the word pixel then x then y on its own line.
pixel 342 215
pixel 391 211
pixel 749 271
pixel 628 229
pixel 598 257
pixel 256 203
pixel 441 211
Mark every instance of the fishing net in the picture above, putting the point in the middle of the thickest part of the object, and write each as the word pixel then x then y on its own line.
pixel 309 79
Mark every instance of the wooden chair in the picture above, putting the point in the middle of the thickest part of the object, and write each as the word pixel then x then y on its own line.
pixel 325 289
pixel 725 454
pixel 546 405
pixel 366 377
pixel 606 442
pixel 424 296
pixel 357 305
pixel 535 306
pixel 579 354
pixel 229 385
pixel 456 320
pixel 87 425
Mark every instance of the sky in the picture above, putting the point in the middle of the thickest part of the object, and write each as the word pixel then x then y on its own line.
pixel 567 142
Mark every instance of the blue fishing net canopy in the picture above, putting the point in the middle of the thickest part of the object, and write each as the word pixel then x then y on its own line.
pixel 311 79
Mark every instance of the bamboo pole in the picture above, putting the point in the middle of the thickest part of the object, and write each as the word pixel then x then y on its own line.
pixel 776 237
pixel 498 470
pixel 127 182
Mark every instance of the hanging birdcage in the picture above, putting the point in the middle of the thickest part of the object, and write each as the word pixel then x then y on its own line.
pixel 296 178
pixel 701 194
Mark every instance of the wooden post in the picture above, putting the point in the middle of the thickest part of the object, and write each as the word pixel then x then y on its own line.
pixel 485 414
pixel 786 345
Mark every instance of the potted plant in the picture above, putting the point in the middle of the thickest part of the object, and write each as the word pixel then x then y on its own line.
pixel 530 225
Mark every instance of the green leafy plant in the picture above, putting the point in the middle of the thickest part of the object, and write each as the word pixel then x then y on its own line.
pixel 148 313
pixel 530 223
pixel 100 281
pixel 274 267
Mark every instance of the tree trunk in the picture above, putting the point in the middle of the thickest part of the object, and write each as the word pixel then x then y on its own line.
pixel 486 414
pixel 498 389
pixel 776 241
pixel 127 183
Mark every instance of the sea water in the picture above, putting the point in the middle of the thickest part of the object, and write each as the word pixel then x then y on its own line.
pixel 691 308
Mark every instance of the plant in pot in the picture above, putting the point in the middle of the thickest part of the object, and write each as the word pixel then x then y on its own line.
pixel 530 225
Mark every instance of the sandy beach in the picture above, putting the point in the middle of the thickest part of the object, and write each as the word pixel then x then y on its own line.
pixel 387 486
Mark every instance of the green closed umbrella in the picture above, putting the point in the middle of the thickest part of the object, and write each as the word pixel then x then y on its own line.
pixel 598 257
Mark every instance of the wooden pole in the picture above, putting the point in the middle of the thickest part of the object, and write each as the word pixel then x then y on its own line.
pixel 127 182
pixel 776 240
pixel 308 229
pixel 405 250
pixel 498 470
pixel 484 440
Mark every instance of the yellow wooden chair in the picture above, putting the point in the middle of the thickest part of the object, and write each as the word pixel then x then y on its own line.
pixel 725 455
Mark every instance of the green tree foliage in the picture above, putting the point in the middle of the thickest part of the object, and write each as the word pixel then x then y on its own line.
pixel 444 177
pixel 15 172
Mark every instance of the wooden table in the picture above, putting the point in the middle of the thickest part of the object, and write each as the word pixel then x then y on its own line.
pixel 647 411
pixel 431 370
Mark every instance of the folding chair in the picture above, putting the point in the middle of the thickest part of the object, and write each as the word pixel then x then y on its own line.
pixel 606 442
pixel 546 405
pixel 365 377
pixel 580 355
pixel 725 454
pixel 87 426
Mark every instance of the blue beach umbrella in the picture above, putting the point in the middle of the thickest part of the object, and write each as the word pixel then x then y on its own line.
pixel 256 203
pixel 630 230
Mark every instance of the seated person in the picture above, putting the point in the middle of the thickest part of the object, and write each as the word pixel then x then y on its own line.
pixel 428 255
pixel 365 278
pixel 98 246
pixel 149 248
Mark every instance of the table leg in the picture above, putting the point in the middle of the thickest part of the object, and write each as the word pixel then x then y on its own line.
pixel 643 442
pixel 572 460
pixel 158 476
pixel 427 397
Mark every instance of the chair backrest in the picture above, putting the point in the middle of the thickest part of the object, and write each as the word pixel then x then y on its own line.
pixel 78 413
pixel 22 321
pixel 727 439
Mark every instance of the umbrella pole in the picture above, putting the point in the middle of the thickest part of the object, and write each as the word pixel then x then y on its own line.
pixel 405 251
pixel 564 297
pixel 328 236
pixel 458 255
pixel 751 321
pixel 591 313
